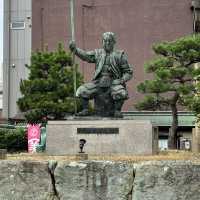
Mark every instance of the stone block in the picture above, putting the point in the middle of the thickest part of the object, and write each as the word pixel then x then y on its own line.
pixel 166 180
pixel 24 180
pixel 102 136
pixel 100 180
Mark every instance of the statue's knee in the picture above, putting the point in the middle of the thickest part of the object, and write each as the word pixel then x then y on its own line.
pixel 81 92
pixel 119 94
pixel 78 92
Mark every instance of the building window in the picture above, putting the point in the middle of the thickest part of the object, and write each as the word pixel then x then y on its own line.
pixel 196 15
pixel 163 144
pixel 17 25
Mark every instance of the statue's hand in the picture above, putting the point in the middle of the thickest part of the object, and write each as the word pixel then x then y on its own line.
pixel 122 81
pixel 72 45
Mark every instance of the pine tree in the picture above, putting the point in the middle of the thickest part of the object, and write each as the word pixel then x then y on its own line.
pixel 173 74
pixel 48 92
pixel 193 101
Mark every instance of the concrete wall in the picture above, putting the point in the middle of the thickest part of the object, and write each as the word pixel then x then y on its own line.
pixel 17 51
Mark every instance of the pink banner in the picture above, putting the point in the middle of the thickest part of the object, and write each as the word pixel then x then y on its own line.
pixel 33 137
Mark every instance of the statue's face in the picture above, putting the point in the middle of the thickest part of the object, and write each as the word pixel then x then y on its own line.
pixel 108 44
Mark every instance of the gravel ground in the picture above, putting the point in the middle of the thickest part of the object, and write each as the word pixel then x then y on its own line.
pixel 164 155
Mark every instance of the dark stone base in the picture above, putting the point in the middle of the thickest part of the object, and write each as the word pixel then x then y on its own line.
pixel 3 154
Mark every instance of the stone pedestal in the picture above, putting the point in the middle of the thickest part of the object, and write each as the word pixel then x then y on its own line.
pixel 102 137
pixel 3 153
pixel 81 156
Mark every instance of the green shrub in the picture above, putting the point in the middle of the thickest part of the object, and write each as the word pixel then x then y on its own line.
pixel 14 140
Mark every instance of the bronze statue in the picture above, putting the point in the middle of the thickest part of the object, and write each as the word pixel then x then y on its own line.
pixel 110 77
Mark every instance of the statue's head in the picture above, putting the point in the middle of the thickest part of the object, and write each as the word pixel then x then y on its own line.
pixel 109 41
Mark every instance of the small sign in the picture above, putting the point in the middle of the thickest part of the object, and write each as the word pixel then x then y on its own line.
pixel 17 25
pixel 187 145
pixel 97 130
pixel 33 137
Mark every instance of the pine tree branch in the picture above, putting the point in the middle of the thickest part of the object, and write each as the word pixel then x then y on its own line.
pixel 180 80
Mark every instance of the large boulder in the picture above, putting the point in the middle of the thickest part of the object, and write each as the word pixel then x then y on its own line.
pixel 24 180
pixel 101 180
pixel 167 180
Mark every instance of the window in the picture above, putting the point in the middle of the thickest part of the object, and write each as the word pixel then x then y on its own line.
pixel 17 25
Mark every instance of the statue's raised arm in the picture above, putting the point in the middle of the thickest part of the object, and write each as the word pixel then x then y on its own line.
pixel 88 56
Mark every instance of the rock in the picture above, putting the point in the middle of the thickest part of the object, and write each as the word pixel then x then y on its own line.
pixel 92 180
pixel 167 180
pixel 24 180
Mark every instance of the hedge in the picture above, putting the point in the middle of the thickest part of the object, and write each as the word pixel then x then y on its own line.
pixel 14 140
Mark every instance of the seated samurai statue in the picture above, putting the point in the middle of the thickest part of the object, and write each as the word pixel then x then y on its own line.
pixel 111 74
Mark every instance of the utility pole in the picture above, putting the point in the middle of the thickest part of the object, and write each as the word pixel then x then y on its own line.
pixel 73 53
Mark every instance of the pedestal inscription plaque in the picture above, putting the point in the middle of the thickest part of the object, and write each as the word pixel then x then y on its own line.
pixel 97 130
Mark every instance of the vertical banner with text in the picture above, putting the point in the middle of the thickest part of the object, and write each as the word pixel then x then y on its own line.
pixel 33 137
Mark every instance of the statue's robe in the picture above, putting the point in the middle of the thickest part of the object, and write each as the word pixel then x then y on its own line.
pixel 119 68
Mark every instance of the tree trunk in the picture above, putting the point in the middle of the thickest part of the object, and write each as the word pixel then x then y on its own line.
pixel 172 139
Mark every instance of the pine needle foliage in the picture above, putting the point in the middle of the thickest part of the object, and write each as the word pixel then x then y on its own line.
pixel 48 92
pixel 173 73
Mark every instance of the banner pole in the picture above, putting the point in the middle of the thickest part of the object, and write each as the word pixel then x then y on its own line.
pixel 73 53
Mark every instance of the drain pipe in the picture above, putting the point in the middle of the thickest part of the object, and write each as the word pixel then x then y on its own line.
pixel 9 57
pixel 6 58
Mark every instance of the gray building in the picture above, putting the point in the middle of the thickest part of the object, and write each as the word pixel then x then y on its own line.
pixel 17 51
